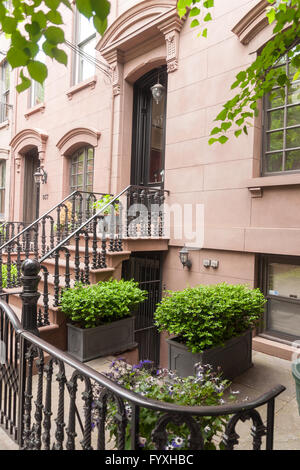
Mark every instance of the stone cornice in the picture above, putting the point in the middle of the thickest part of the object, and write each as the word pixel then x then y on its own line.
pixel 76 137
pixel 252 23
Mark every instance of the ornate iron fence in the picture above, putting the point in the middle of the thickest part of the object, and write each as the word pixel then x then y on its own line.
pixel 47 401
pixel 77 236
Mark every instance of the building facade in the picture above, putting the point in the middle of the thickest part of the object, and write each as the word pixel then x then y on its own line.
pixel 95 126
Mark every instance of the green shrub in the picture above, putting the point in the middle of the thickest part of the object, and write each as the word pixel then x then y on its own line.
pixel 13 274
pixel 105 302
pixel 207 316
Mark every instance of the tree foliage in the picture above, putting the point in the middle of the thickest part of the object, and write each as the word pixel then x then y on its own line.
pixel 264 74
pixel 29 23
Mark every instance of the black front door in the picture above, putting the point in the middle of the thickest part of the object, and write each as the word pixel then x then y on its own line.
pixel 145 268
pixel 31 196
pixel 148 137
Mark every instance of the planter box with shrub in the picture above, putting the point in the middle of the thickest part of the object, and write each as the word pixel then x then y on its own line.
pixel 101 320
pixel 212 325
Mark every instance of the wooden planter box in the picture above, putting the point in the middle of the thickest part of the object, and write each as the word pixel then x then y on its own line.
pixel 90 343
pixel 234 358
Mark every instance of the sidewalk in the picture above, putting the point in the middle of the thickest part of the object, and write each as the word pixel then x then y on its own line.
pixel 266 372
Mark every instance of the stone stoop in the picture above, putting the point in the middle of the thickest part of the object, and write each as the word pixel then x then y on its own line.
pixel 56 332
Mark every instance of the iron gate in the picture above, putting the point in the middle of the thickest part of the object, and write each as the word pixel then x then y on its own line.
pixel 145 268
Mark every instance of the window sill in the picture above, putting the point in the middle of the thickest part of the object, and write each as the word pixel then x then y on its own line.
pixel 39 108
pixel 90 83
pixel 256 185
pixel 4 124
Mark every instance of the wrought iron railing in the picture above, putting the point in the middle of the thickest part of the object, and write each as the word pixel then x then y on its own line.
pixel 77 237
pixel 20 239
pixel 47 400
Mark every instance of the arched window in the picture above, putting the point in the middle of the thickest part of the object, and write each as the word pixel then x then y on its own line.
pixel 82 169
pixel 281 147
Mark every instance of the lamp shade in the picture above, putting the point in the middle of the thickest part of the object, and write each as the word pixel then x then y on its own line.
pixel 158 91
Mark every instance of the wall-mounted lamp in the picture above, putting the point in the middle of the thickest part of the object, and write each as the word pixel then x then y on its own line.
pixel 184 258
pixel 158 91
pixel 40 176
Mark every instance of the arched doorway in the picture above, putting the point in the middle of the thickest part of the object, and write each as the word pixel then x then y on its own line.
pixel 31 190
pixel 149 125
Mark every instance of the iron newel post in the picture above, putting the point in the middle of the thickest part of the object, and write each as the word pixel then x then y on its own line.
pixel 30 295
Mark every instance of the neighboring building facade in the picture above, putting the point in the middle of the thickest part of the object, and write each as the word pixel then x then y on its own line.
pixel 91 132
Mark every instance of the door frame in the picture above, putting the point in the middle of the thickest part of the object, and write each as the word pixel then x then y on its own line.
pixel 142 126
pixel 27 185
pixel 128 272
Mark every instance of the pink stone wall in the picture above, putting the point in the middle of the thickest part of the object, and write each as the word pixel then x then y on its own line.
pixel 236 225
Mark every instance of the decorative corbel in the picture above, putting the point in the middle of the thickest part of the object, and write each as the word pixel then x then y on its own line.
pixel 18 162
pixel 172 43
pixel 116 61
pixel 171 31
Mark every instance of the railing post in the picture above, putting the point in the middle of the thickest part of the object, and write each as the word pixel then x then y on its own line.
pixel 30 295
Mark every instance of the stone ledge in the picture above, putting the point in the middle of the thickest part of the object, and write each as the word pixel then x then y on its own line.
pixel 273 348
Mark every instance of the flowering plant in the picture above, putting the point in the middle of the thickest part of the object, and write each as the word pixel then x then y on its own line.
pixel 98 205
pixel 205 388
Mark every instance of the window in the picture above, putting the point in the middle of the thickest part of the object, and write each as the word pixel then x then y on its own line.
pixel 5 81
pixel 282 126
pixel 281 278
pixel 85 49
pixel 82 174
pixel 2 187
pixel 82 170
pixel 37 90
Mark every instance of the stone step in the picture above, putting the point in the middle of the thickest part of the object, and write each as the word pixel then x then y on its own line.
pixel 56 332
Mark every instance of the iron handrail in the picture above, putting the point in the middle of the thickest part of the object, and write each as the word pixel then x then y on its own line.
pixel 143 402
pixel 29 227
pixel 88 221
pixel 129 395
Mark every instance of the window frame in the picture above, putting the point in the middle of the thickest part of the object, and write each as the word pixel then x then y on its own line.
pixel 85 173
pixel 3 188
pixel 77 68
pixel 284 129
pixel 5 92
pixel 263 281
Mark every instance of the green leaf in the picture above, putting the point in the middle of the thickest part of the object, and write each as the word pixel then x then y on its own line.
pixel 204 33
pixel 216 130
pixel 208 3
pixel 25 83
pixel 54 35
pixel 52 4
pixel 100 25
pixel 16 57
pixel 195 11
pixel 38 71
pixel 60 56
pixel 85 7
pixel 9 25
pixel 54 17
pixel 223 139
pixel 222 115
pixel 226 125
pixel 207 17
pixel 271 15
pixel 194 23
pixel 238 132
pixel 101 8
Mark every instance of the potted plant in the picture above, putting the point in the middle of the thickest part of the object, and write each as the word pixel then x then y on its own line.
pixel 205 387
pixel 111 213
pixel 213 324
pixel 101 317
